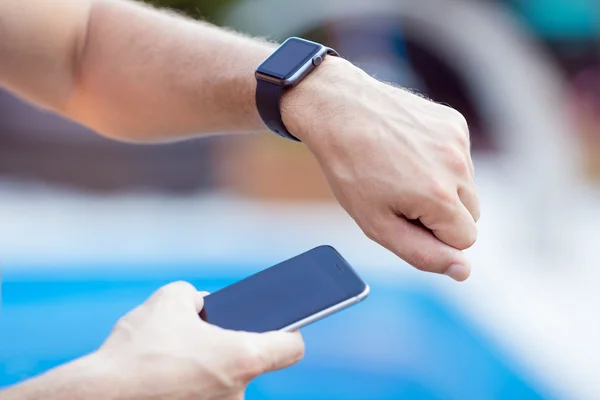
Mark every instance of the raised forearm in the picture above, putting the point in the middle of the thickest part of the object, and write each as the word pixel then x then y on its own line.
pixel 150 75
pixel 134 73
pixel 128 70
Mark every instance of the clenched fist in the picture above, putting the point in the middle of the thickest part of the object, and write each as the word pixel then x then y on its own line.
pixel 399 164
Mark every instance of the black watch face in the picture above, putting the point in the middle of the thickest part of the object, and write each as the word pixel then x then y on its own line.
pixel 290 56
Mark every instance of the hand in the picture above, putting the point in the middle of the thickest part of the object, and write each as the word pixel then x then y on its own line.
pixel 163 350
pixel 399 164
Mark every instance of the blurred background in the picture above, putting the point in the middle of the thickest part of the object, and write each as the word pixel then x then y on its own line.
pixel 92 227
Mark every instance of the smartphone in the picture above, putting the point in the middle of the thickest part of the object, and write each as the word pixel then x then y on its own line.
pixel 289 295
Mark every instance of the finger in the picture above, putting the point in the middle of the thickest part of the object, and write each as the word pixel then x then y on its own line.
pixel 421 249
pixel 469 158
pixel 277 350
pixel 179 295
pixel 451 222
pixel 202 312
pixel 469 199
pixel 471 168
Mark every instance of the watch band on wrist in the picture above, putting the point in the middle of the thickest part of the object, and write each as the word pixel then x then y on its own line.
pixel 268 95
pixel 285 68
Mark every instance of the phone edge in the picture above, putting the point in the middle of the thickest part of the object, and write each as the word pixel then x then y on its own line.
pixel 328 311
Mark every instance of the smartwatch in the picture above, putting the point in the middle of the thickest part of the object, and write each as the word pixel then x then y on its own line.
pixel 285 68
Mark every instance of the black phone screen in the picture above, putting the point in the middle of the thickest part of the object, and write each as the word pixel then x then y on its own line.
pixel 285 293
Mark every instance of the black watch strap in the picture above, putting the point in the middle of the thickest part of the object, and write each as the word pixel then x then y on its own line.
pixel 268 101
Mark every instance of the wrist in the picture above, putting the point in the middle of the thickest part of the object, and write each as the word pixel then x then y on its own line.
pixel 305 106
pixel 92 377
pixel 87 378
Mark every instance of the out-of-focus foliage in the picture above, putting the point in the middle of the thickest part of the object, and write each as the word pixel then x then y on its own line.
pixel 203 9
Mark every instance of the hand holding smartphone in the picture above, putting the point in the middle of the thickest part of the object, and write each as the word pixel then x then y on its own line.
pixel 289 295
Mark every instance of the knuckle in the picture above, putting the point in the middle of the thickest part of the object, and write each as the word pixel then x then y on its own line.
pixel 412 214
pixel 440 194
pixel 125 326
pixel 460 165
pixel 469 238
pixel 300 351
pixel 178 286
pixel 459 121
pixel 459 127
pixel 249 363
pixel 372 230
pixel 474 206
pixel 173 289
pixel 133 317
pixel 456 160
pixel 463 139
pixel 477 214
pixel 378 234
pixel 372 233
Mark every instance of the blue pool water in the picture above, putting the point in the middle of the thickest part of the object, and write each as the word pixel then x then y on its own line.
pixel 402 343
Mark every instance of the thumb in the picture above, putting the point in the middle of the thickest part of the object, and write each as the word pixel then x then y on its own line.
pixel 278 350
pixel 420 248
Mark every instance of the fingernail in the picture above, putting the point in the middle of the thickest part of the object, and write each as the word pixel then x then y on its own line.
pixel 457 272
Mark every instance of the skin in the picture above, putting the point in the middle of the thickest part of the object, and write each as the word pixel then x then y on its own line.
pixel 162 350
pixel 137 74
pixel 399 164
